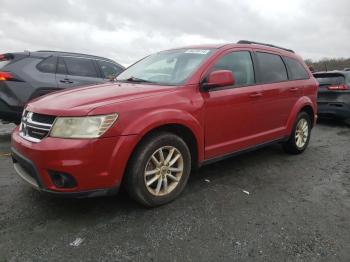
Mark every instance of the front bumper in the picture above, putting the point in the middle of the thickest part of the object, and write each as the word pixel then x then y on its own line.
pixel 97 165
pixel 334 110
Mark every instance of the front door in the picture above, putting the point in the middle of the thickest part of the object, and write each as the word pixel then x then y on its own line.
pixel 232 115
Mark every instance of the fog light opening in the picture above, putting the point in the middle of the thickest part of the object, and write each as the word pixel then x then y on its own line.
pixel 62 180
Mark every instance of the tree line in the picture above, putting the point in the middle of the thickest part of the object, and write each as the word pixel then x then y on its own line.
pixel 328 64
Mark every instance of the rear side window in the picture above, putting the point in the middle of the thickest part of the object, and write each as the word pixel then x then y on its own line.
pixel 48 65
pixel 241 65
pixel 80 67
pixel 109 70
pixel 296 69
pixel 272 68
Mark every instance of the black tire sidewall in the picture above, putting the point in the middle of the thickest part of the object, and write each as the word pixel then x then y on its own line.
pixel 135 174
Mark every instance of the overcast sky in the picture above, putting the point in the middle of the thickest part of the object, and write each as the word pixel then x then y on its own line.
pixel 128 30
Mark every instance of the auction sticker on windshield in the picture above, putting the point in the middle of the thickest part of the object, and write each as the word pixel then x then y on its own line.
pixel 197 51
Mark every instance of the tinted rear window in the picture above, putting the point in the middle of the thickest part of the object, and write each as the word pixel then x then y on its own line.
pixel 272 68
pixel 48 65
pixel 325 80
pixel 80 67
pixel 296 69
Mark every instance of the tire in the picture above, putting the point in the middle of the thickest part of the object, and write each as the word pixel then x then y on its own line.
pixel 143 169
pixel 297 142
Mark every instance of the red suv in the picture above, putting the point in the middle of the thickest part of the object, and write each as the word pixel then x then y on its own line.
pixel 166 114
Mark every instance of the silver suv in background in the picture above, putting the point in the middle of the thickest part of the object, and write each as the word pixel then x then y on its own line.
pixel 27 75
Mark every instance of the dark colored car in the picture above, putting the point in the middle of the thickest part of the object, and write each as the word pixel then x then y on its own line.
pixel 27 75
pixel 334 95
pixel 166 114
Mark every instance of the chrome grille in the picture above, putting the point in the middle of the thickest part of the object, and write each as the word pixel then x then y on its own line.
pixel 34 127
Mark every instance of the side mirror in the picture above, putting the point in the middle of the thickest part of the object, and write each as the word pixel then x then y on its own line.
pixel 219 78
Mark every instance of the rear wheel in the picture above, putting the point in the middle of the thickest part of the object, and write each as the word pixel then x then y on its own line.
pixel 300 137
pixel 158 170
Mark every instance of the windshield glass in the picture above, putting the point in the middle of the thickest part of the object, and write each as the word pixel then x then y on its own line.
pixel 167 68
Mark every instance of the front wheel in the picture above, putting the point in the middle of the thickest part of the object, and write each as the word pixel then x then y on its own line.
pixel 300 137
pixel 158 170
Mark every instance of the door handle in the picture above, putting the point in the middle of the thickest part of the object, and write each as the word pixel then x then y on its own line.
pixel 294 89
pixel 257 94
pixel 66 81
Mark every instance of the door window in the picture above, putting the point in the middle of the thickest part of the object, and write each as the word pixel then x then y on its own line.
pixel 48 65
pixel 108 69
pixel 240 64
pixel 80 67
pixel 296 69
pixel 61 67
pixel 272 68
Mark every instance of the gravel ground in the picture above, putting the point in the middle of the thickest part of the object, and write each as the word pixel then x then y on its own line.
pixel 297 209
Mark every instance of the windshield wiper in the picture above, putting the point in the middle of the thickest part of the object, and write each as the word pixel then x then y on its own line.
pixel 137 80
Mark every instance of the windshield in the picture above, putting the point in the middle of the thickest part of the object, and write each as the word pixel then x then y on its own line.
pixel 167 68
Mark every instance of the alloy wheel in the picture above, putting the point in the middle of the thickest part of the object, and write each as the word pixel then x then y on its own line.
pixel 301 133
pixel 163 171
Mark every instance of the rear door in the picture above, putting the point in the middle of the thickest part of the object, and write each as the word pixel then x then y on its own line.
pixel 76 71
pixel 279 94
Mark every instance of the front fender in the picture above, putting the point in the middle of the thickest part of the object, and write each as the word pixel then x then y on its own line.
pixel 298 106
pixel 154 119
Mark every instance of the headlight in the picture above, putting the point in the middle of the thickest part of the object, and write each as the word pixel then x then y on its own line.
pixel 82 127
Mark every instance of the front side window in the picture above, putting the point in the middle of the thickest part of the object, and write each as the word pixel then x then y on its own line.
pixel 109 70
pixel 272 68
pixel 296 69
pixel 48 65
pixel 168 67
pixel 80 67
pixel 240 64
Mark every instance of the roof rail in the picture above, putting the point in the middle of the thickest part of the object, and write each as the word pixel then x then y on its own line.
pixel 258 43
pixel 73 53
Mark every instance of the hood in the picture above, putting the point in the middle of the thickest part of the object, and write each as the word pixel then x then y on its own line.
pixel 80 101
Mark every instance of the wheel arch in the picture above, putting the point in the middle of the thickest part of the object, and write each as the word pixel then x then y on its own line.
pixel 184 132
pixel 303 104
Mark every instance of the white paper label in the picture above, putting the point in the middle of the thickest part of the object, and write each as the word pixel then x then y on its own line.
pixel 197 51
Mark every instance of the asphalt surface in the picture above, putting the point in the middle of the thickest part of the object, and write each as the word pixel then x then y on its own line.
pixel 297 209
